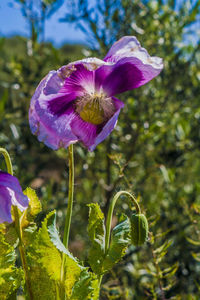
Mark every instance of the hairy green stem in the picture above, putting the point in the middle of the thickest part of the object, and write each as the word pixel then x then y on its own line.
pixel 70 197
pixel 7 160
pixel 110 213
pixel 109 220
pixel 18 227
pixel 69 213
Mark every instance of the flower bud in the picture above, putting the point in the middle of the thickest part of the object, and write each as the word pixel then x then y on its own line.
pixel 139 229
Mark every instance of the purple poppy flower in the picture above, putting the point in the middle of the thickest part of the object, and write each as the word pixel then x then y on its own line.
pixel 77 103
pixel 10 194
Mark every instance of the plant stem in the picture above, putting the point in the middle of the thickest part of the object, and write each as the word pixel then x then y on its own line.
pixel 22 252
pixel 100 280
pixel 70 197
pixel 8 160
pixel 68 215
pixel 18 227
pixel 109 220
pixel 110 213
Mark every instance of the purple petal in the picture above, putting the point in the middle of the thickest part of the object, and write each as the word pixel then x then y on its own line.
pixel 47 105
pixel 54 128
pixel 5 206
pixel 109 126
pixel 127 75
pixel 49 84
pixel 81 80
pixel 100 76
pixel 132 67
pixel 129 46
pixel 10 181
pixel 53 83
pixel 90 63
pixel 60 104
pixel 85 132
pixel 91 135
pixel 51 110
pixel 10 194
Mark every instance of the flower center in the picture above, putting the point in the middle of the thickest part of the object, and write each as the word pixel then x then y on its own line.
pixel 95 109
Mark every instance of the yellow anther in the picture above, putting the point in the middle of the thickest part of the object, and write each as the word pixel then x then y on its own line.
pixel 92 112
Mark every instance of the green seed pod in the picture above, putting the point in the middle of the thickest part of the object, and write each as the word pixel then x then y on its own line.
pixel 139 229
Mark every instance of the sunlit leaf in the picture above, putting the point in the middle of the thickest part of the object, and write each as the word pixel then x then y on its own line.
pixel 96 231
pixel 33 209
pixel 10 276
pixel 86 287
pixel 120 239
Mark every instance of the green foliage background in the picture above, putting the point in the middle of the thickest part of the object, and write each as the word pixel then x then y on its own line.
pixel 153 152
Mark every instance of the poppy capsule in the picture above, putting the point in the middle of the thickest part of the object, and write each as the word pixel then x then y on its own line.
pixel 139 229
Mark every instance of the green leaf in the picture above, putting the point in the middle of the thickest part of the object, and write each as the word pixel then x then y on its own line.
pixel 196 256
pixel 120 239
pixel 169 272
pixel 44 262
pixel 96 231
pixel 101 262
pixel 163 247
pixel 86 287
pixel 33 209
pixel 72 268
pixel 54 236
pixel 45 256
pixel 9 232
pixel 10 276
pixel 79 283
pixel 195 243
pixel 162 251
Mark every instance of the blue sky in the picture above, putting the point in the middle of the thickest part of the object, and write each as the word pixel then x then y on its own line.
pixel 12 22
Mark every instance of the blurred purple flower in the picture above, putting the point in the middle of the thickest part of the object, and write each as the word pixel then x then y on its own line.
pixel 10 194
pixel 77 103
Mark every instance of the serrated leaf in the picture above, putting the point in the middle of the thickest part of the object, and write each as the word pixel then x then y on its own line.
pixel 96 231
pixel 86 287
pixel 10 276
pixel 72 268
pixel 79 283
pixel 54 236
pixel 33 209
pixel 45 261
pixel 120 239
pixel 9 232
